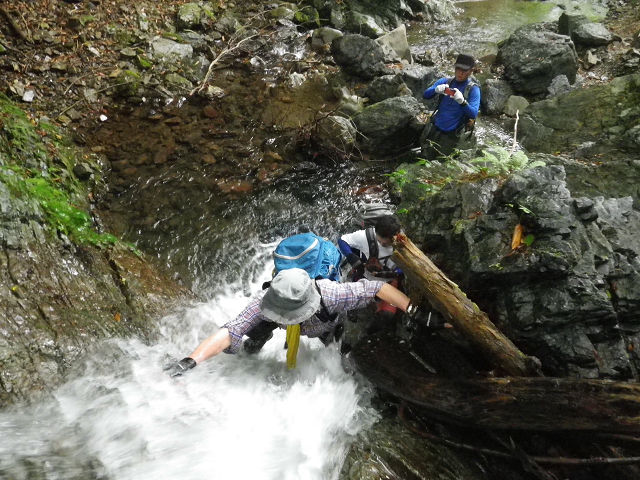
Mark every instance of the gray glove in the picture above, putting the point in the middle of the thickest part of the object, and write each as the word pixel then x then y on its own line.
pixel 440 88
pixel 458 96
pixel 176 369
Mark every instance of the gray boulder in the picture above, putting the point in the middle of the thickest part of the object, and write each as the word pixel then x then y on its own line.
pixel 532 56
pixel 418 77
pixel 389 125
pixel 559 86
pixel 568 22
pixel 359 56
pixel 495 94
pixel 592 35
pixel 387 86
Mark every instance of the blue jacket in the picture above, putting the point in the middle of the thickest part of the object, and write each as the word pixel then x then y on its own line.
pixel 451 115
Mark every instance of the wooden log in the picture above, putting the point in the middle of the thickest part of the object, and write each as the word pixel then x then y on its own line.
pixel 514 403
pixel 446 297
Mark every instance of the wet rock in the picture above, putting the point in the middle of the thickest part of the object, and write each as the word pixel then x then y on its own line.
pixel 591 35
pixel 188 16
pixel 82 170
pixel 324 36
pixel 494 96
pixel 389 125
pixel 532 56
pixel 178 82
pixel 568 22
pixel 364 24
pixel 227 25
pixel 349 104
pixel 606 113
pixel 559 86
pixel 418 78
pixel 396 41
pixel 387 86
pixel 558 297
pixel 388 450
pixel 359 56
pixel 515 104
pixel 167 49
pixel 336 135
pixel 282 12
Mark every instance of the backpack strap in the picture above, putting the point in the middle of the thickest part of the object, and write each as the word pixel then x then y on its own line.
pixel 373 242
pixel 324 315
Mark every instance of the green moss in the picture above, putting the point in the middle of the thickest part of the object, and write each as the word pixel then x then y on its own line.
pixel 307 16
pixel 143 62
pixel 37 166
pixel 56 204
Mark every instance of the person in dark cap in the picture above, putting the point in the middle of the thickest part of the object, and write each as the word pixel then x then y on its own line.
pixel 454 117
pixel 301 305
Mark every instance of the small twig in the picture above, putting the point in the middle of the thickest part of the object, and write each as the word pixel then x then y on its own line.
pixel 515 133
pixel 224 52
pixel 14 25
pixel 73 82
pixel 97 91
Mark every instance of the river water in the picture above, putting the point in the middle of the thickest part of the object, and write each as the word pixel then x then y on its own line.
pixel 236 416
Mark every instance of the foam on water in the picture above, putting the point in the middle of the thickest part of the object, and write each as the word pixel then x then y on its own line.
pixel 235 416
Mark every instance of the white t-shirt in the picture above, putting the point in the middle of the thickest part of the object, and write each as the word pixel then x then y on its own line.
pixel 359 240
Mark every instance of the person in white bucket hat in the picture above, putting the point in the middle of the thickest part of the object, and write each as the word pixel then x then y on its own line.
pixel 301 305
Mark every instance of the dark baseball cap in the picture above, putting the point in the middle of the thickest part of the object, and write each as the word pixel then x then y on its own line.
pixel 465 62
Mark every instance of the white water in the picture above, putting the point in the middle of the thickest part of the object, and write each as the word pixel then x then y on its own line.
pixel 235 416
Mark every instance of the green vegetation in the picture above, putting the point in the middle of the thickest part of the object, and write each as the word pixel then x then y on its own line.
pixel 427 178
pixel 497 161
pixel 36 164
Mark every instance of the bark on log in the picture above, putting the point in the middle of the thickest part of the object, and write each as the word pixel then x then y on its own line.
pixel 514 403
pixel 446 297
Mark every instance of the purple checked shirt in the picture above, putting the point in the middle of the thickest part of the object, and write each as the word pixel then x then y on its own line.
pixel 337 297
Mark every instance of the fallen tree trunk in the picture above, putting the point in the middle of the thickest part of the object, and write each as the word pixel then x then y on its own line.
pixel 513 403
pixel 462 313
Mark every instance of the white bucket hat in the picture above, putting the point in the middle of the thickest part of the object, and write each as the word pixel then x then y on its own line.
pixel 291 298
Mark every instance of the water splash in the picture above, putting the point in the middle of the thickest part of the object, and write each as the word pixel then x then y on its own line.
pixel 235 416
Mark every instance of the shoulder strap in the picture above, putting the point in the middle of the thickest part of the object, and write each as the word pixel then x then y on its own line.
pixel 468 88
pixel 324 314
pixel 373 242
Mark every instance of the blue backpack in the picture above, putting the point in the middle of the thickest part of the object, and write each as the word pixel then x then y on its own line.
pixel 308 251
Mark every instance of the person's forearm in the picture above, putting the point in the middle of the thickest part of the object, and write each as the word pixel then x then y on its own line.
pixel 393 296
pixel 212 346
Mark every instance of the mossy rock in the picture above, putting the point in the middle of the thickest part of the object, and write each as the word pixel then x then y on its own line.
pixel 128 84
pixel 307 17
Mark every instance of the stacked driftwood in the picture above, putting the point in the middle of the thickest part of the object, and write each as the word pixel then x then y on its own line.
pixel 602 414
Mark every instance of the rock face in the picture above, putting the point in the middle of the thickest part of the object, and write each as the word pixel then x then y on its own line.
pixel 533 56
pixel 570 296
pixel 608 114
pixel 63 285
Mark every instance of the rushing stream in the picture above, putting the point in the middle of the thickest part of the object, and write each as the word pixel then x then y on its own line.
pixel 241 416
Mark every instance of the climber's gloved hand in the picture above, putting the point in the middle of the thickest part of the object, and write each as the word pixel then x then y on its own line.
pixel 373 265
pixel 440 88
pixel 412 311
pixel 458 96
pixel 425 318
pixel 177 369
